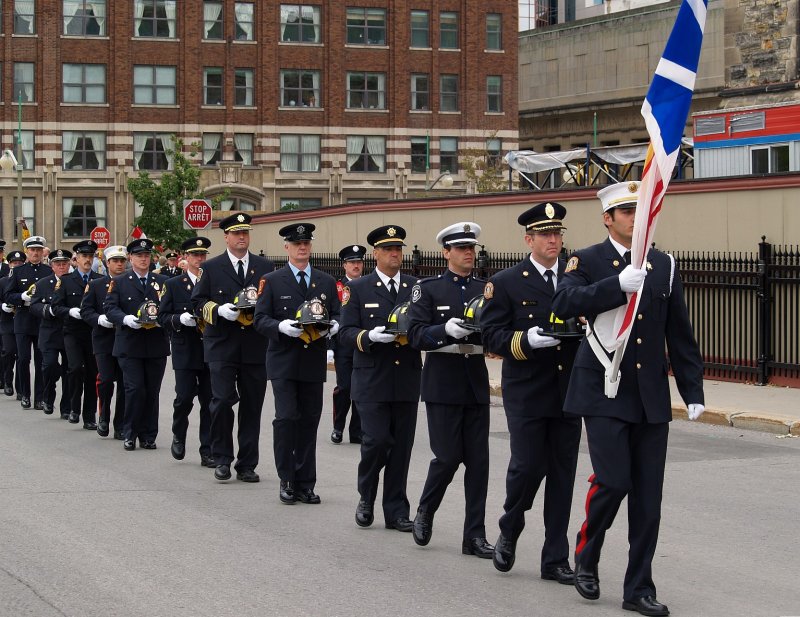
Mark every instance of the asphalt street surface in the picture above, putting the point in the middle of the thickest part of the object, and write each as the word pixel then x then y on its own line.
pixel 89 529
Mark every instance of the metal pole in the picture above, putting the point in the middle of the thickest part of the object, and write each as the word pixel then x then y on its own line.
pixel 764 327
pixel 19 155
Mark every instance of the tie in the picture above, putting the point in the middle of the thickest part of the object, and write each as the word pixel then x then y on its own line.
pixel 240 271
pixel 303 284
pixel 548 275
pixel 392 290
pixel 627 257
pixel 144 283
pixel 85 279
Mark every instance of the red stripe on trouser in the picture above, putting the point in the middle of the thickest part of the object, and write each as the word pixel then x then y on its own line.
pixel 582 539
pixel 97 392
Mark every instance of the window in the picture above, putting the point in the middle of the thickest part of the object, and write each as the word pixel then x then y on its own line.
pixel 300 153
pixel 300 23
pixel 24 16
pixel 366 26
pixel 243 11
pixel 28 153
pixel 213 28
pixel 243 148
pixel 448 31
pixel 709 126
pixel 448 93
pixel 150 151
pixel 154 18
pixel 770 160
pixel 419 154
pixel 85 17
pixel 212 148
pixel 154 85
pixel 243 87
pixel 448 154
pixel 366 153
pixel 83 150
pixel 28 208
pixel 299 86
pixel 494 31
pixel 741 123
pixel 300 203
pixel 494 94
pixel 212 86
pixel 84 83
pixel 493 147
pixel 238 204
pixel 366 90
pixel 420 91
pixel 420 34
pixel 82 214
pixel 23 82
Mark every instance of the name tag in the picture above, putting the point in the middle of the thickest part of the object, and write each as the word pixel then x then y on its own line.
pixel 529 303
pixel 372 305
pixel 442 308
pixel 286 297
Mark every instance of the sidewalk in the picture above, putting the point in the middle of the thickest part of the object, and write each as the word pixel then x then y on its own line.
pixel 760 408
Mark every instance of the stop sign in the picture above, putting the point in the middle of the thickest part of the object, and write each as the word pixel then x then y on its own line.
pixel 101 236
pixel 197 213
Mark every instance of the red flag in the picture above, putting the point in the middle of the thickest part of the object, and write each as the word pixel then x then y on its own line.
pixel 137 233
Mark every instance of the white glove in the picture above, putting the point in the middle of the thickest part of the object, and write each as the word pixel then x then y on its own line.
pixel 104 321
pixel 538 341
pixel 289 329
pixel 75 312
pixel 187 320
pixel 334 328
pixel 7 308
pixel 454 329
pixel 228 311
pixel 695 410
pixel 631 279
pixel 131 322
pixel 330 356
pixel 377 335
pixel 25 297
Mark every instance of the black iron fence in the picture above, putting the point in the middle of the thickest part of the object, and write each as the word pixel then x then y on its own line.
pixel 744 307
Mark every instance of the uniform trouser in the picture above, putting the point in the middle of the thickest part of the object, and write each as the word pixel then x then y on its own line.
pixel 52 371
pixel 341 397
pixel 298 407
pixel 81 375
pixel 142 378
pixel 542 447
pixel 628 459
pixel 191 383
pixel 26 342
pixel 387 440
pixel 8 357
pixel 231 383
pixel 459 434
pixel 109 373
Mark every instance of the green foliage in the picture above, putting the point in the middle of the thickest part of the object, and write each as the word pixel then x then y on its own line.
pixel 486 177
pixel 162 201
pixel 291 205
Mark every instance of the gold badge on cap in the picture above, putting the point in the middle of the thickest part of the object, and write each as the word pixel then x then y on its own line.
pixel 199 242
pixel 143 243
pixel 632 187
pixel 391 232
pixel 549 210
pixel 301 229
pixel 240 218
pixel 467 228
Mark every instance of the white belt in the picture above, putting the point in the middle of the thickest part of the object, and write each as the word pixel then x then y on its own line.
pixel 460 348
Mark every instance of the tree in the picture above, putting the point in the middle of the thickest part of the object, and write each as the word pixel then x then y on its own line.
pixel 482 171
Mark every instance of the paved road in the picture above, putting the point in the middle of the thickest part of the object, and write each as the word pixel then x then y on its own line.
pixel 88 529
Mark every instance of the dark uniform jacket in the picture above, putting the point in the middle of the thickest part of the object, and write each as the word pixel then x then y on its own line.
pixel 6 319
pixel 22 277
pixel 662 322
pixel 223 340
pixel 534 381
pixel 381 372
pixel 91 309
pixel 51 329
pixel 5 269
pixel 187 342
pixel 125 296
pixel 452 378
pixel 279 297
pixel 170 273
pixel 69 295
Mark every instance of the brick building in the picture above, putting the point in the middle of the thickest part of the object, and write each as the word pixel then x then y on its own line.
pixel 310 104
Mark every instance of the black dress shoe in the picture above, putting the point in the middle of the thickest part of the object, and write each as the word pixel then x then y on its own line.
pixel 646 605
pixel 102 428
pixel 478 547
pixel 222 472
pixel 117 434
pixel 129 444
pixel 562 574
pixel 364 516
pixel 25 402
pixel 65 416
pixel 38 405
pixel 401 523
pixel 178 449
pixel 336 436
pixel 90 426
pixel 19 396
pixel 206 460
pixel 286 493
pixel 74 418
pixel 47 408
pixel 307 495
pixel 504 554
pixel 8 391
pixel 247 475
pixel 148 444
pixel 423 527
pixel 587 582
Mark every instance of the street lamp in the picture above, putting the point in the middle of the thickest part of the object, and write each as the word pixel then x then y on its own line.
pixel 8 162
pixel 445 179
